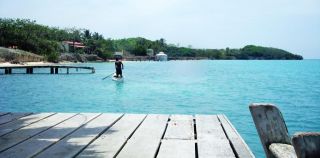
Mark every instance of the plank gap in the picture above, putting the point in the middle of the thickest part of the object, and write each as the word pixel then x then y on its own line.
pixel 103 131
pixel 25 125
pixel 225 132
pixel 66 135
pixel 125 142
pixel 4 113
pixel 194 129
pixel 195 138
pixel 13 117
pixel 35 134
pixel 165 129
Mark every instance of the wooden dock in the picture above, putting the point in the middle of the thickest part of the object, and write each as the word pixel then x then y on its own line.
pixel 54 69
pixel 119 135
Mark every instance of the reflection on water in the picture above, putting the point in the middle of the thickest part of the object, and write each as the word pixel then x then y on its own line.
pixel 119 87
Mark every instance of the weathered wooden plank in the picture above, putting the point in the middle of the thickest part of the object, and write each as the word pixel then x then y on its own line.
pixel 110 142
pixel 180 127
pixel 307 144
pixel 12 116
pixel 179 138
pixel 212 141
pixel 3 113
pixel 77 141
pixel 270 125
pixel 126 138
pixel 39 142
pixel 175 148
pixel 22 122
pixel 238 144
pixel 27 132
pixel 146 140
pixel 282 150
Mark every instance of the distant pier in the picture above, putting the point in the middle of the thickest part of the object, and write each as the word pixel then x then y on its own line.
pixel 54 69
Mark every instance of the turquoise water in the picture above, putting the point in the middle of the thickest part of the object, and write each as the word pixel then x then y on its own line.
pixel 183 87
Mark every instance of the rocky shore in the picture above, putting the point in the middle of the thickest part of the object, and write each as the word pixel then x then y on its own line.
pixel 17 56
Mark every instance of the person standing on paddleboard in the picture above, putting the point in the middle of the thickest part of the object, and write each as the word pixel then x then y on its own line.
pixel 119 66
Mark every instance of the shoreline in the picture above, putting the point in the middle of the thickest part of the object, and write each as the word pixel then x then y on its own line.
pixel 108 61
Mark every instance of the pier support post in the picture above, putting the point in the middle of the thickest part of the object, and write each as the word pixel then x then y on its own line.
pixel 270 126
pixel 6 71
pixel 67 70
pixel 51 70
pixel 56 71
pixel 29 70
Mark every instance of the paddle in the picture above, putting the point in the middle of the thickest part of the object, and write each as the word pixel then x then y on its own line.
pixel 108 76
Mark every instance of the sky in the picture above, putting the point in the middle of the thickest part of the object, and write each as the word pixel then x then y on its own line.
pixel 292 25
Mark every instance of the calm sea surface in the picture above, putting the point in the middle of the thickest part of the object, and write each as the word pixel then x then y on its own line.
pixel 178 87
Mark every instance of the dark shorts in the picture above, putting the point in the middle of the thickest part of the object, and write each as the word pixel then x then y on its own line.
pixel 118 71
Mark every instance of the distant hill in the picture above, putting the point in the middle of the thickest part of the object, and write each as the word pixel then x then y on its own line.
pixel 258 52
pixel 47 41
pixel 249 52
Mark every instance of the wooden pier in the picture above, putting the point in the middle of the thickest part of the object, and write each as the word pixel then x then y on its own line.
pixel 119 135
pixel 54 69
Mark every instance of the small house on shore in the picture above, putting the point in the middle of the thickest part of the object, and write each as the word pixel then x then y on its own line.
pixel 161 57
pixel 72 45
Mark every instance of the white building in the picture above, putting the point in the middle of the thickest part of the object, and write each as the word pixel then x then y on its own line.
pixel 161 57
pixel 118 55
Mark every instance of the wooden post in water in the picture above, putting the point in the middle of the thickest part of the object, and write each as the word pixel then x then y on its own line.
pixel 67 70
pixel 6 71
pixel 56 71
pixel 270 125
pixel 307 144
pixel 51 70
pixel 29 70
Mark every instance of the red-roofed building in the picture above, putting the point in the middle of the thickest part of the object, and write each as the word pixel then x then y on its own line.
pixel 70 44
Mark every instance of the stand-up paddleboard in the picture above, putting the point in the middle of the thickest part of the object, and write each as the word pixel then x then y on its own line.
pixel 117 79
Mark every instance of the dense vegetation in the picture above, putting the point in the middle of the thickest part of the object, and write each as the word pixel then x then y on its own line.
pixel 46 41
